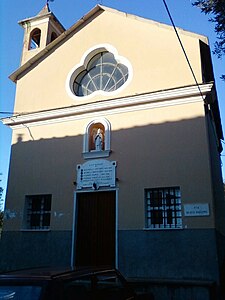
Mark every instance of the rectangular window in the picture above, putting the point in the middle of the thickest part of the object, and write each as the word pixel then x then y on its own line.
pixel 163 208
pixel 38 212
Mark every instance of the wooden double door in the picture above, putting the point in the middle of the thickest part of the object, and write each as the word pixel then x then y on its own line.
pixel 95 228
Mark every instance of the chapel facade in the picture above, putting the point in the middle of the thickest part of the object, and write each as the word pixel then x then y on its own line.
pixel 116 160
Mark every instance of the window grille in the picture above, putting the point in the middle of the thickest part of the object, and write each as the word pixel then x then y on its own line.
pixel 38 211
pixel 103 73
pixel 163 208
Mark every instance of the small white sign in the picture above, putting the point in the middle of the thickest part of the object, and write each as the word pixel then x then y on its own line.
pixel 196 210
pixel 96 173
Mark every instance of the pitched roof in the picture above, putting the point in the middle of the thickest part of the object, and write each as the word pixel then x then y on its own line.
pixel 45 10
pixel 96 11
pixel 43 13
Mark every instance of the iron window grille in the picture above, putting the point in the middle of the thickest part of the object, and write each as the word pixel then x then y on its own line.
pixel 38 212
pixel 163 208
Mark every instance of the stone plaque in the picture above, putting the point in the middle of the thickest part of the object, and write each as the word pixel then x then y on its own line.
pixel 196 210
pixel 96 173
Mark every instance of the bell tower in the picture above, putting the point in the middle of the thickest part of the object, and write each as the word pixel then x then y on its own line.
pixel 39 31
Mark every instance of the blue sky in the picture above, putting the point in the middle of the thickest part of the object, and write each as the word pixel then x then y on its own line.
pixel 68 12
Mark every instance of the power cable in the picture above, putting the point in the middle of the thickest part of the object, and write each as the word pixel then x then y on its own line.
pixel 25 127
pixel 181 44
pixel 29 131
pixel 8 113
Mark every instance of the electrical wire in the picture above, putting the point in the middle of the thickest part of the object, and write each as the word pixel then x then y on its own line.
pixel 183 49
pixel 181 44
pixel 29 131
pixel 13 113
pixel 8 113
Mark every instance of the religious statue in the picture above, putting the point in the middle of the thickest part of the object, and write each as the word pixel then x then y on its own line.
pixel 98 140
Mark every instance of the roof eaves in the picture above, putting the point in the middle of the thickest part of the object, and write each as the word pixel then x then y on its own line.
pixel 14 76
pixel 39 17
pixel 159 24
pixel 24 21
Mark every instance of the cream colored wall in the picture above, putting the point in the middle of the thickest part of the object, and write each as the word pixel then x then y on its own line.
pixel 153 148
pixel 124 120
pixel 154 52
pixel 169 140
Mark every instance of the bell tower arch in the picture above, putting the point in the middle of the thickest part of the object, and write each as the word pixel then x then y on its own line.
pixel 39 31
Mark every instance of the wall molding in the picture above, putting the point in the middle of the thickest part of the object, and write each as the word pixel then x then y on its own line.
pixel 171 97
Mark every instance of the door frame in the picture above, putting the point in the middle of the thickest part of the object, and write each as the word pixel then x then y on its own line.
pixel 74 223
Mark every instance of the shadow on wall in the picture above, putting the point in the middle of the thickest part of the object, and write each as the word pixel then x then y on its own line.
pixel 49 165
pixel 157 153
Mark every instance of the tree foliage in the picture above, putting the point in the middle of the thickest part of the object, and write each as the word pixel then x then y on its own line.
pixel 216 10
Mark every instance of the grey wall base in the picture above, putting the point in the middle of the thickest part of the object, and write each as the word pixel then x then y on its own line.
pixel 34 249
pixel 172 254
pixel 167 260
pixel 174 264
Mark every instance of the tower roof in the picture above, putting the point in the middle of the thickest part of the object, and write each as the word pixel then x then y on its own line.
pixel 45 10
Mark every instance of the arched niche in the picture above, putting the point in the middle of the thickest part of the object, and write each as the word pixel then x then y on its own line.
pixel 97 139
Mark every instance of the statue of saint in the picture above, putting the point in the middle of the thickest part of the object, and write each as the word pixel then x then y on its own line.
pixel 98 139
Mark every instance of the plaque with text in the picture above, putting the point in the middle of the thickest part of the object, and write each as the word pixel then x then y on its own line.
pixel 196 210
pixel 96 173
